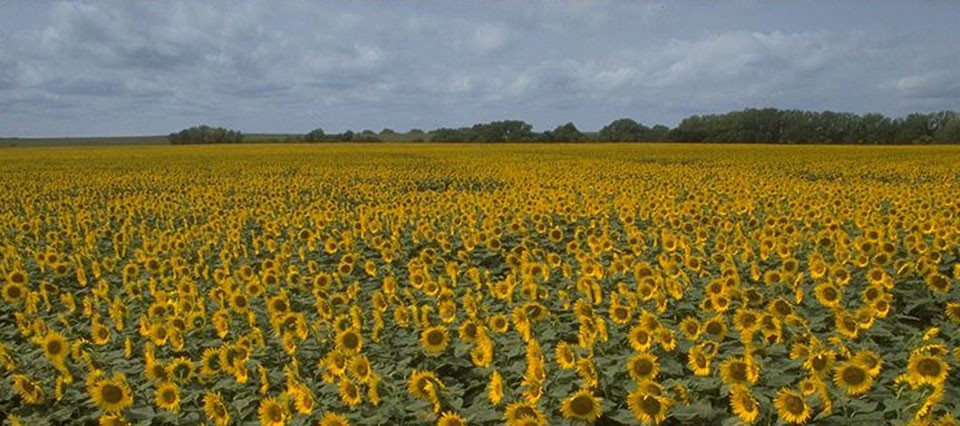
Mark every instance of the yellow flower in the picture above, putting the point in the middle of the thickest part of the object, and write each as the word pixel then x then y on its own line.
pixel 334 419
pixel 926 370
pixel 495 388
pixel 111 395
pixel 743 404
pixel 648 407
pixel 349 393
pixel 434 340
pixel 738 370
pixel 643 366
pixel 28 390
pixel 349 341
pixel 582 405
pixel 451 419
pixel 168 396
pixel 520 413
pixel 566 357
pixel 214 409
pixel 271 412
pixel 853 378
pixel 791 406
pixel 55 347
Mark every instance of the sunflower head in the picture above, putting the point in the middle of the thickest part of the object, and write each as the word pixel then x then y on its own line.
pixel 434 340
pixel 852 378
pixel 451 419
pixel 647 407
pixel 214 409
pixel 272 413
pixel 111 395
pixel 334 419
pixel 582 405
pixel 791 406
pixel 168 396
pixel 643 366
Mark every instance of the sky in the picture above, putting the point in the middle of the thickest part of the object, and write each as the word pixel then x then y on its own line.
pixel 113 68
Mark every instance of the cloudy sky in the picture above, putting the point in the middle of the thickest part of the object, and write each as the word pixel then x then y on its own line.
pixel 139 67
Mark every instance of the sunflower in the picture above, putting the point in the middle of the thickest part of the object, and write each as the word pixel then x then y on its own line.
pixel 869 360
pixel 566 357
pixel 820 363
pixel 828 295
pixel 926 370
pixel 333 419
pixel 851 377
pixel 168 396
pixel 28 390
pixel 846 324
pixel 360 368
pixel 55 347
pixel 451 419
pixel 642 366
pixel 469 331
pixel 210 362
pixel 953 312
pixel 349 341
pixel 181 369
pixel 495 388
pixel 434 340
pixel 303 400
pixel 648 407
pixel 349 393
pixel 582 405
pixel 13 292
pixel 738 370
pixel 111 395
pixel 715 328
pixel 791 406
pixel 519 412
pixel 271 412
pixel 109 419
pixel 937 282
pixel 620 315
pixel 640 338
pixel 690 328
pixel 743 404
pixel 17 276
pixel 698 361
pixel 214 409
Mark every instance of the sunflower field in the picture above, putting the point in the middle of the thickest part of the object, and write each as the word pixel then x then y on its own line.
pixel 477 284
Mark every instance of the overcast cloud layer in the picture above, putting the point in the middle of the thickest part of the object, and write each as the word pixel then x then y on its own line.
pixel 138 67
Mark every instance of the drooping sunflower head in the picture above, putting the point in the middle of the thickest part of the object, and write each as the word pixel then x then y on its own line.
pixel 214 409
pixel 27 389
pixel 743 404
pixel 422 385
pixel 519 412
pixel 349 393
pixel 736 370
pixel 582 405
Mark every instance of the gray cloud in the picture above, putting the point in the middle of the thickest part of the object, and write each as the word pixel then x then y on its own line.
pixel 88 68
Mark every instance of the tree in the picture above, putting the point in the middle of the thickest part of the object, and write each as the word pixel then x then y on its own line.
pixel 624 130
pixel 204 134
pixel 315 135
pixel 563 133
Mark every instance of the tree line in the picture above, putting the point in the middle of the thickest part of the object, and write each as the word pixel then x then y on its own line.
pixel 767 125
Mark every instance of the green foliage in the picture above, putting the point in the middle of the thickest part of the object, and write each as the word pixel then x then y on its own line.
pixel 204 134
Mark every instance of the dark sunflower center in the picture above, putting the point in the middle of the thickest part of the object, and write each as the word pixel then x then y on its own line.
pixel 168 396
pixel 854 375
pixel 582 405
pixel 27 386
pixel 747 403
pixel 54 347
pixel 642 367
pixel 112 394
pixel 273 412
pixel 650 405
pixel 819 362
pixel 830 294
pixel 738 371
pixel 748 320
pixel 928 367
pixel 13 292
pixel 435 337
pixel 714 328
pixel 794 405
pixel 350 341
pixel 526 412
pixel 219 410
pixel 700 360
